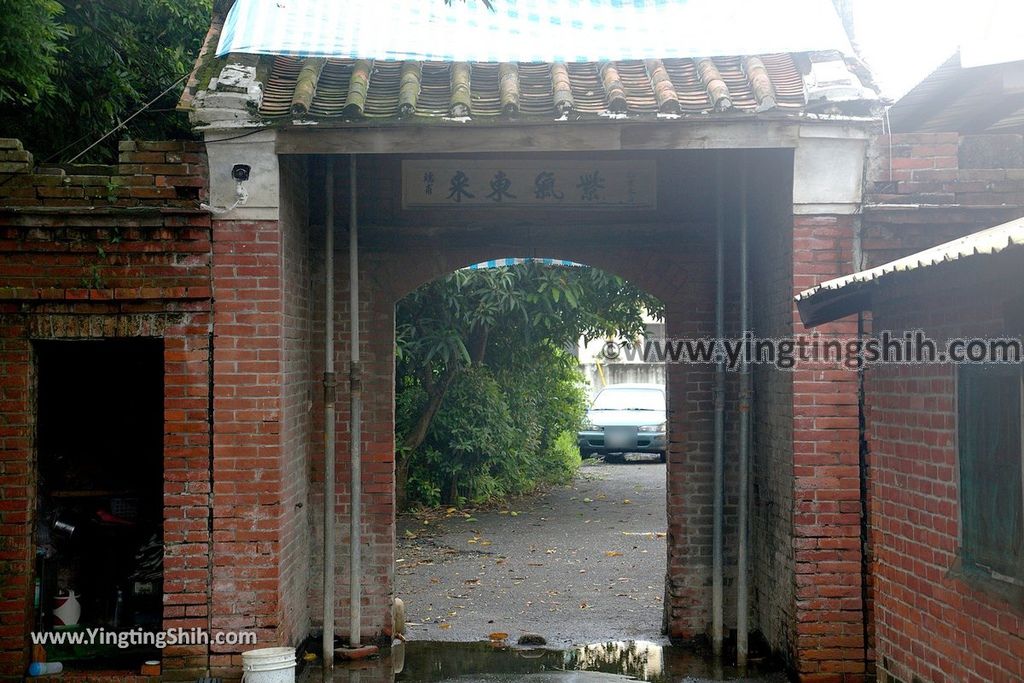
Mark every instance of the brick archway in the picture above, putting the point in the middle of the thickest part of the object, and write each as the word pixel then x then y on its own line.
pixel 671 259
pixel 807 605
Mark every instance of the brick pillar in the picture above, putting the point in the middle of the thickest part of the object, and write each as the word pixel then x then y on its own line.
pixel 689 314
pixel 17 498
pixel 247 481
pixel 826 479
pixel 187 489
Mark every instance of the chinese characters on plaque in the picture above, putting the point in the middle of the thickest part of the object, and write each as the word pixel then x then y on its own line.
pixel 529 183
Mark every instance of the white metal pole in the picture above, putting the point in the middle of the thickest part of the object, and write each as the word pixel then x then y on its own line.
pixel 744 436
pixel 330 396
pixel 355 395
pixel 718 502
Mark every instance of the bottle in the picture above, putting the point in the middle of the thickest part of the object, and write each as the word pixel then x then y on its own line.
pixel 44 668
pixel 118 608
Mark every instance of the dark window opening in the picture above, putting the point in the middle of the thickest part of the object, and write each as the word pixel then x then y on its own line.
pixel 99 534
pixel 991 477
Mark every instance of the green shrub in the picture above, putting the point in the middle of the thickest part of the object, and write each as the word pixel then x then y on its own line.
pixel 497 433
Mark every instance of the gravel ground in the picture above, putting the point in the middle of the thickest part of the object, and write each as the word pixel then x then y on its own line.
pixel 582 563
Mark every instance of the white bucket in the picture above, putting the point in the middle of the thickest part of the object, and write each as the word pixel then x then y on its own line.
pixel 269 665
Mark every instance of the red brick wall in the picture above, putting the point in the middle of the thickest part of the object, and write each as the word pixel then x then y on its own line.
pixel 933 624
pixel 830 635
pixel 298 385
pixel 87 256
pixel 773 580
pixel 924 189
pixel 247 453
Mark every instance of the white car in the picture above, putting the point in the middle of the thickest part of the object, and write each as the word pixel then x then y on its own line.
pixel 625 418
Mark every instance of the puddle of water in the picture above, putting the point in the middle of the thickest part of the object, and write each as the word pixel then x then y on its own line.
pixel 436 662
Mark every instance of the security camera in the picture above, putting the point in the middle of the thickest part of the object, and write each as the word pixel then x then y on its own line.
pixel 240 172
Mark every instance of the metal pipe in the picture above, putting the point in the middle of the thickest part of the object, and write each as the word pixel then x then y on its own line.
pixel 330 396
pixel 744 435
pixel 718 504
pixel 356 417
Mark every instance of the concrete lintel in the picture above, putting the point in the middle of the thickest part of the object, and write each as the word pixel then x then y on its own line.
pixel 826 209
pixel 839 130
pixel 551 137
pixel 829 171
pixel 255 149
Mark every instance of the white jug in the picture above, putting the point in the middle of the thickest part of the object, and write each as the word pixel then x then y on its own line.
pixel 68 609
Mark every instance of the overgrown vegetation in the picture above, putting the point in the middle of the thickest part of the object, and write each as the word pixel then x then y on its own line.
pixel 488 400
pixel 70 70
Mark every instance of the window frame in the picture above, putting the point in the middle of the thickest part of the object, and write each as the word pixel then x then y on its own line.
pixel 1009 587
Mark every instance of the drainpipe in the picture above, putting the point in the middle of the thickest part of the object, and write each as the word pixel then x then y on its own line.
pixel 744 435
pixel 330 396
pixel 718 504
pixel 862 454
pixel 356 432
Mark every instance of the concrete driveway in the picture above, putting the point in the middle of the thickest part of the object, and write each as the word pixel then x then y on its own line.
pixel 582 563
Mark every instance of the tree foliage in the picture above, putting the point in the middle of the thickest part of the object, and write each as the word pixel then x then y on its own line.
pixel 514 322
pixel 70 70
pixel 30 44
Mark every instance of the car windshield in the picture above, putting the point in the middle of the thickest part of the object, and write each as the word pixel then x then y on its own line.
pixel 630 399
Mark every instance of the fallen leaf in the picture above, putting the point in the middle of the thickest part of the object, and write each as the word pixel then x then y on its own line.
pixel 514 513
pixel 588 500
pixel 612 553
pixel 626 501
pixel 445 625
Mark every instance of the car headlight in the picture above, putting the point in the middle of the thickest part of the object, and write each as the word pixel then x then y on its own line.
pixel 591 427
pixel 652 428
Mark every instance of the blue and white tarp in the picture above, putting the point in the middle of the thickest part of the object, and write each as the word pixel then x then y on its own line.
pixel 530 30
pixel 502 262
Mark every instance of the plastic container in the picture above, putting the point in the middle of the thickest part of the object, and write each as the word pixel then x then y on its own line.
pixel 269 665
pixel 44 668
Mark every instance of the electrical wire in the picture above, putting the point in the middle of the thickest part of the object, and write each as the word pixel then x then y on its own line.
pixel 11 176
pixel 125 122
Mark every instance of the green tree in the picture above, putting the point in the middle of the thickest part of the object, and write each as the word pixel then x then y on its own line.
pixel 70 70
pixel 505 318
pixel 30 43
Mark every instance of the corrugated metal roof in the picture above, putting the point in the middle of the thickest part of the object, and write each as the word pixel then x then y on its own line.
pixel 530 30
pixel 837 298
pixel 504 262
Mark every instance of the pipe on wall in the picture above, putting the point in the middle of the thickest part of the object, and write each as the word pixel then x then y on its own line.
pixel 718 500
pixel 330 396
pixel 744 434
pixel 356 407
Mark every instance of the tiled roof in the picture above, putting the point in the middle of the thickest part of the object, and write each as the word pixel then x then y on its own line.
pixel 357 89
